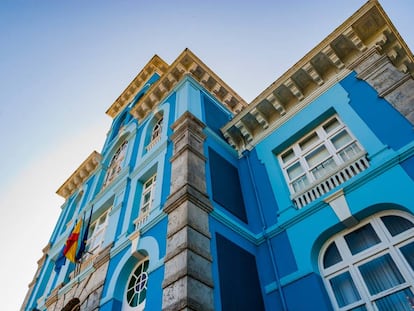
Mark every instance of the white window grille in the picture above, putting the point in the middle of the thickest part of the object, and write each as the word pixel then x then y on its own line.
pixel 136 289
pixel 370 267
pixel 96 234
pixel 155 134
pixel 317 157
pixel 116 163
pixel 147 196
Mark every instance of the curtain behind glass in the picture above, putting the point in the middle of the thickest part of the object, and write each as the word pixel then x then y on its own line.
pixel 381 274
pixel 344 289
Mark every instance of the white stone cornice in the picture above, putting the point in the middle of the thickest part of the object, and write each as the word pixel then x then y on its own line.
pixel 247 135
pixel 311 71
pixel 155 65
pixel 294 89
pixel 188 64
pixel 333 57
pixel 260 118
pixel 276 104
pixel 331 60
pixel 83 172
pixel 355 39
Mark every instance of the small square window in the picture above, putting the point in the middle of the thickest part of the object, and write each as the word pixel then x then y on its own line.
pixel 331 125
pixel 288 156
pixel 309 141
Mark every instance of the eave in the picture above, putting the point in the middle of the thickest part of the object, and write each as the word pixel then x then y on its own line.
pixel 188 64
pixel 82 173
pixel 331 60
pixel 155 65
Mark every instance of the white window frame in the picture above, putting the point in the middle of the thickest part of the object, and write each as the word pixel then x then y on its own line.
pixel 116 163
pixel 307 177
pixel 156 133
pixel 350 262
pixel 126 305
pixel 148 191
pixel 97 234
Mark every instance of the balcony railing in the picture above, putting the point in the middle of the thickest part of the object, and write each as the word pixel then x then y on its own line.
pixel 320 187
pixel 141 220
pixel 153 142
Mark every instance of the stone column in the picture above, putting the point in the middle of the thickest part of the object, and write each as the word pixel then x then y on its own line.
pixel 188 283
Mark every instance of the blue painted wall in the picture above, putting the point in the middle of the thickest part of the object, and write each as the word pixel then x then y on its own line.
pixel 385 121
pixel 240 288
pixel 225 183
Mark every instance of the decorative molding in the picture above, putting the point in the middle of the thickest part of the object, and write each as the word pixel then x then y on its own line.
pixel 339 205
pixel 331 60
pixel 82 173
pixel 187 64
pixel 155 65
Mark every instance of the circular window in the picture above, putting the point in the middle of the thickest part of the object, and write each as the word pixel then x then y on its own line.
pixel 137 286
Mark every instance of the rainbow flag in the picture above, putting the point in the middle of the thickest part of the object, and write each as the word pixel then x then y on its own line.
pixel 72 242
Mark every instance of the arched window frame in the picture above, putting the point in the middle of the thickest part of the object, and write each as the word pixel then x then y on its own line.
pixel 136 287
pixel 355 264
pixel 115 165
pixel 156 132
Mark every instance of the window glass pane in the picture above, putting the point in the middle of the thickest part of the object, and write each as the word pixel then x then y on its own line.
pixel 361 239
pixel 300 183
pixel 399 301
pixel 349 152
pixel 147 197
pixel 309 141
pixel 408 252
pixel 324 168
pixel 317 156
pixel 361 308
pixel 396 224
pixel 381 274
pixel 331 125
pixel 332 256
pixel 341 139
pixel 294 170
pixel 102 220
pixel 92 229
pixel 137 286
pixel 344 289
pixel 288 155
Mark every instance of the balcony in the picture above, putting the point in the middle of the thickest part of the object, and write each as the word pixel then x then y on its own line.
pixel 141 220
pixel 153 142
pixel 329 182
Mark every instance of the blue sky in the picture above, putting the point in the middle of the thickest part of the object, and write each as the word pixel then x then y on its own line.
pixel 63 63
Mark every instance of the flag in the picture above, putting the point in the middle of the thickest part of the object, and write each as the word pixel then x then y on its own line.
pixel 84 238
pixel 60 261
pixel 72 242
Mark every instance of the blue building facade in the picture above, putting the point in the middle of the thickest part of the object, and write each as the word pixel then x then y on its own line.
pixel 299 200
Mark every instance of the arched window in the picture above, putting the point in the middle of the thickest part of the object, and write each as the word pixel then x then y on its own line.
pixel 72 305
pixel 136 289
pixel 371 266
pixel 116 163
pixel 120 122
pixel 155 133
